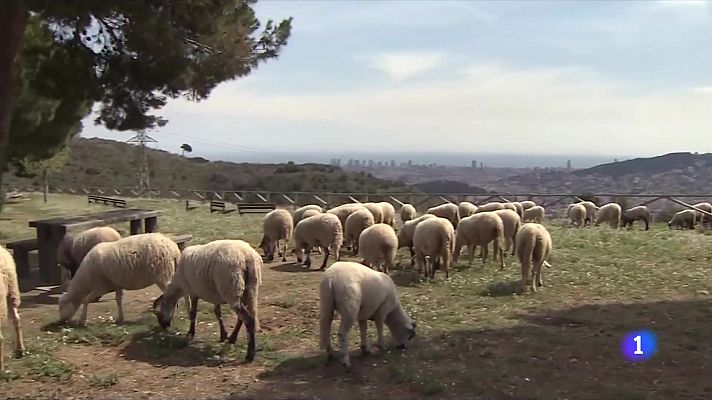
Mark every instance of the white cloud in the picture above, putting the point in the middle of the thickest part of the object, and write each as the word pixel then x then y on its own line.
pixel 703 89
pixel 403 66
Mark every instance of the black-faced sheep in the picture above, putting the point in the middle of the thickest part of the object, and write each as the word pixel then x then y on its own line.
pixel 378 245
pixel 9 301
pixel 323 230
pixel 640 213
pixel 434 240
pixel 277 225
pixel 533 248
pixel 360 294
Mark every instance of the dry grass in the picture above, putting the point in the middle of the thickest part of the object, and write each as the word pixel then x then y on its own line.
pixel 476 338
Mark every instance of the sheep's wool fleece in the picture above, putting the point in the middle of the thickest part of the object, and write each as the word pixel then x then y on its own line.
pixel 9 290
pixel 353 285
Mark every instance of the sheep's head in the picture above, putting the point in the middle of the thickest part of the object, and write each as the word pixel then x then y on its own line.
pixel 269 248
pixel 67 308
pixel 402 328
pixel 163 312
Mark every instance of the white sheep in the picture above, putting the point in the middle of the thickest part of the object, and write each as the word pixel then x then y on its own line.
pixel 9 301
pixel 299 212
pixel 322 230
pixel 307 214
pixel 376 210
pixel 220 272
pixel 610 213
pixel 509 206
pixel 535 214
pixel 465 209
pixel 683 219
pixel 640 213
pixel 405 235
pixel 527 204
pixel 433 241
pixel 704 218
pixel 577 214
pixel 407 213
pixel 378 245
pixel 512 222
pixel 533 248
pixel 132 263
pixel 389 213
pixel 359 294
pixel 356 223
pixel 448 211
pixel 276 225
pixel 493 206
pixel 74 247
pixel 343 211
pixel 520 209
pixel 591 209
pixel 479 230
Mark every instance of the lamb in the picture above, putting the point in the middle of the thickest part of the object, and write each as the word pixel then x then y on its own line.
pixel 376 210
pixel 577 214
pixel 448 211
pixel 407 213
pixel 359 293
pixel 479 230
pixel 634 214
pixel 610 213
pixel 405 235
pixel 378 245
pixel 434 240
pixel 533 248
pixel 276 225
pixel 684 218
pixel 465 209
pixel 343 211
pixel 73 248
pixel 493 206
pixel 512 223
pixel 9 301
pixel 535 214
pixel 389 213
pixel 704 218
pixel 132 263
pixel 356 223
pixel 591 209
pixel 527 204
pixel 220 272
pixel 322 230
pixel 299 212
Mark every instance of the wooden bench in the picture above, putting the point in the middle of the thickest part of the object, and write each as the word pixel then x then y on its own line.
pixel 181 240
pixel 246 208
pixel 120 203
pixel 20 252
pixel 190 205
pixel 220 206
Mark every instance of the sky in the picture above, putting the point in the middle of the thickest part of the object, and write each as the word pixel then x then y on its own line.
pixel 561 78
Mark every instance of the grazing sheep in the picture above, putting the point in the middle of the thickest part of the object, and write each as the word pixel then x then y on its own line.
pixel 74 247
pixel 511 222
pixel 9 301
pixel 322 230
pixel 307 214
pixel 465 209
pixel 533 248
pixel 356 223
pixel 405 235
pixel 132 263
pixel 577 214
pixel 634 214
pixel 493 206
pixel 448 211
pixel 683 219
pixel 520 209
pixel 343 211
pixel 535 214
pixel 359 293
pixel 610 213
pixel 591 209
pixel 407 213
pixel 378 245
pixel 509 206
pixel 220 272
pixel 277 225
pixel 389 213
pixel 299 212
pixel 434 240
pixel 704 218
pixel 527 204
pixel 376 210
pixel 479 230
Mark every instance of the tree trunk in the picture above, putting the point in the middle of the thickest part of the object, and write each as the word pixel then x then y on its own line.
pixel 13 18
pixel 45 183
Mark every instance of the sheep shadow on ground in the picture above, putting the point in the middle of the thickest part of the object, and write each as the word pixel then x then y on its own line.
pixel 35 297
pixel 293 267
pixel 406 278
pixel 578 347
pixel 499 289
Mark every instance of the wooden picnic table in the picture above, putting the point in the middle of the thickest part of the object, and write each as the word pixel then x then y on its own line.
pixel 50 233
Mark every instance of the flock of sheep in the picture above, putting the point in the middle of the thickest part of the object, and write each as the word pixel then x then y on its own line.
pixel 100 261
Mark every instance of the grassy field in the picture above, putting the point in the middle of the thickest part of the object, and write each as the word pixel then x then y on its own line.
pixel 475 339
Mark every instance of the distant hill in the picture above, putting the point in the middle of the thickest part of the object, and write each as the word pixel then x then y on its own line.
pixel 107 163
pixel 652 165
pixel 446 186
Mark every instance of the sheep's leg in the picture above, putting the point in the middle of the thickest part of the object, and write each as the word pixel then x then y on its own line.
pixel 244 315
pixel 379 331
pixel 284 252
pixel 233 336
pixel 119 294
pixel 20 344
pixel 471 251
pixel 192 314
pixel 344 328
pixel 362 326
pixel 307 261
pixel 2 353
pixel 218 314
pixel 412 256
pixel 485 253
pixel 646 224
pixel 327 252
pixel 539 273
pixel 85 303
pixel 514 244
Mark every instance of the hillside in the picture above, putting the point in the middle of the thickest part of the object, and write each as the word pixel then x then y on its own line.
pixel 652 165
pixel 103 163
pixel 447 186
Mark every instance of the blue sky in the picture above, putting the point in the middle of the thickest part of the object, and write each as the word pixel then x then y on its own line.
pixel 525 77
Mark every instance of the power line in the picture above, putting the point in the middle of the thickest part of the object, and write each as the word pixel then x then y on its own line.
pixel 143 176
pixel 217 143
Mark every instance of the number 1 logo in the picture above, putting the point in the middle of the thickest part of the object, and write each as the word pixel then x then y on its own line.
pixel 638 344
